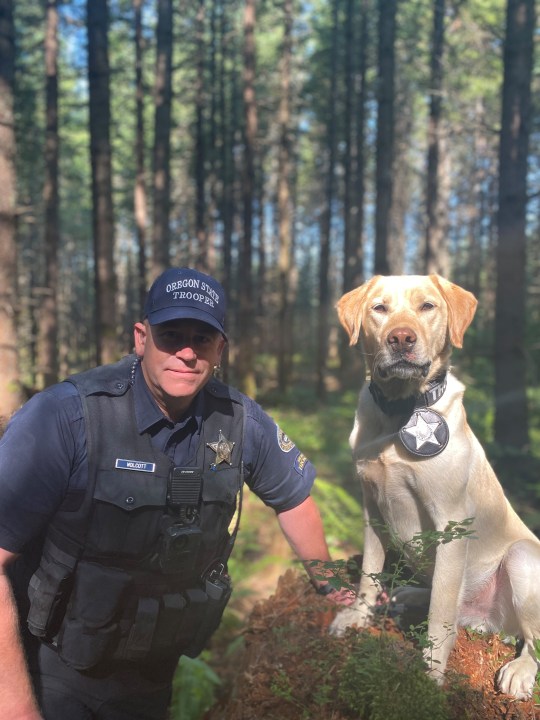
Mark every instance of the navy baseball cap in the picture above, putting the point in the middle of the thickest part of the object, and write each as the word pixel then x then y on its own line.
pixel 186 294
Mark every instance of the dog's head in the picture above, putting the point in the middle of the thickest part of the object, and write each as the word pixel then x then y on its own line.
pixel 406 326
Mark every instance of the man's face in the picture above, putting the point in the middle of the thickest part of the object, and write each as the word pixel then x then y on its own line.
pixel 178 359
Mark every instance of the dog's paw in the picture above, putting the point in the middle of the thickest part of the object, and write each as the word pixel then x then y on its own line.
pixel 517 677
pixel 350 617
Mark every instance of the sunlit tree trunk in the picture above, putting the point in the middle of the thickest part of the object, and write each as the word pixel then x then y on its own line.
pixel 140 195
pixel 284 200
pixel 48 318
pixel 10 393
pixel 102 202
pixel 511 416
pixel 246 373
pixel 326 215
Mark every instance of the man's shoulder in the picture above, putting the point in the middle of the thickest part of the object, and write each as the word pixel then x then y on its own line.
pixel 114 378
pixel 58 406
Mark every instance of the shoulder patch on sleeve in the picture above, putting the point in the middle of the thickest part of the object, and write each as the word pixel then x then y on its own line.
pixel 284 442
pixel 300 463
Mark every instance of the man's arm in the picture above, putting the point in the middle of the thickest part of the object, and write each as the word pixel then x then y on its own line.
pixel 17 700
pixel 303 528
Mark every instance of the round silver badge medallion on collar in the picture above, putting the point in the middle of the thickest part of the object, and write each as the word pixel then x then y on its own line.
pixel 426 433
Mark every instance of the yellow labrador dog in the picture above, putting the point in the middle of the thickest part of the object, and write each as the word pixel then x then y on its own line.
pixel 422 469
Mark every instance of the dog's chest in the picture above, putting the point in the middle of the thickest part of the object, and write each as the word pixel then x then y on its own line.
pixel 401 489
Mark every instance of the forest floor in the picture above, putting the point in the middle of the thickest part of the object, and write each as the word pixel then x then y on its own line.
pixel 289 668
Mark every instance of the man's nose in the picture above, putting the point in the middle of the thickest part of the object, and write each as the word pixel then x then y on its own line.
pixel 186 349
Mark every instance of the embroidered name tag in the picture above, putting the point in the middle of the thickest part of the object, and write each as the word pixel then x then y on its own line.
pixel 138 465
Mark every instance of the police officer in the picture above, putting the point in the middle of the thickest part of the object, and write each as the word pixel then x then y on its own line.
pixel 118 493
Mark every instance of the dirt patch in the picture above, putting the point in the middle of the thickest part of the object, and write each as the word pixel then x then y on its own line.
pixel 289 668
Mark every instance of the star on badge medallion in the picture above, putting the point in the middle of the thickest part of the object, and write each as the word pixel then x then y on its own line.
pixel 423 432
pixel 223 449
pixel 426 433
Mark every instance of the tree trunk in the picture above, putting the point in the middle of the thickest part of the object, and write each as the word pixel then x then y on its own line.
pixel 140 195
pixel 354 147
pixel 355 268
pixel 511 417
pixel 202 262
pixel 162 138
pixel 246 373
pixel 102 205
pixel 385 133
pixel 436 253
pixel 284 201
pixel 10 392
pixel 227 124
pixel 48 320
pixel 326 216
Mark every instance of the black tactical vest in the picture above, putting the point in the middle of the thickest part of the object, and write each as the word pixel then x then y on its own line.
pixel 138 571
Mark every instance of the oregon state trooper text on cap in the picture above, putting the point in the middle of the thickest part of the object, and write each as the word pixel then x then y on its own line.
pixel 186 294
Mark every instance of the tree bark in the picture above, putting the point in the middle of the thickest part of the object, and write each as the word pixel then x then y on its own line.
pixel 48 320
pixel 385 133
pixel 202 251
pixel 326 216
pixel 227 125
pixel 102 203
pixel 355 269
pixel 436 252
pixel 246 373
pixel 140 194
pixel 284 201
pixel 162 138
pixel 10 391
pixel 511 415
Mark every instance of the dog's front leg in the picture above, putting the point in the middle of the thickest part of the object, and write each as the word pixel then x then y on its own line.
pixel 359 614
pixel 448 577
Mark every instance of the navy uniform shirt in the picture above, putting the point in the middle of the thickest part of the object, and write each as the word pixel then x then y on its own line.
pixel 43 461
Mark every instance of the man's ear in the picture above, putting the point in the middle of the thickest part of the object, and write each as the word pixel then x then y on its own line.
pixel 221 346
pixel 140 331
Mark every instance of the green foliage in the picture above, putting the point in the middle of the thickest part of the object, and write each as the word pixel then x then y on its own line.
pixel 384 679
pixel 341 513
pixel 321 432
pixel 194 689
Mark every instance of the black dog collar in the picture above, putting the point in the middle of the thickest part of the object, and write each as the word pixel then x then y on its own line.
pixel 425 433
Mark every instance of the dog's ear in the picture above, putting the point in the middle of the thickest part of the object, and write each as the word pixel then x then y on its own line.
pixel 461 308
pixel 350 310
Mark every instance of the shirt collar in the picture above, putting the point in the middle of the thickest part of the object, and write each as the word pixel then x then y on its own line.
pixel 147 412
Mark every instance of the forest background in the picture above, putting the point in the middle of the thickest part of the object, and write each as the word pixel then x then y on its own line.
pixel 293 149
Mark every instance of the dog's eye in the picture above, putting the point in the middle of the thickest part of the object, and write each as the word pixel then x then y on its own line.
pixel 427 306
pixel 379 308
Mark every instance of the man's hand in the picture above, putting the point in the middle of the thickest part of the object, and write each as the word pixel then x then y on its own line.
pixel 343 596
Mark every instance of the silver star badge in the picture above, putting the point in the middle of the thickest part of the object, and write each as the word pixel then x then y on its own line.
pixel 426 433
pixel 223 449
pixel 423 432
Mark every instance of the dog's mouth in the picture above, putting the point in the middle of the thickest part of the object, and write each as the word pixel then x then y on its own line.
pixel 402 369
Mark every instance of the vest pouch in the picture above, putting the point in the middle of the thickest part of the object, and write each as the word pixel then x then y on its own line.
pixel 219 495
pixel 169 624
pixel 204 615
pixel 91 628
pixel 49 591
pixel 127 512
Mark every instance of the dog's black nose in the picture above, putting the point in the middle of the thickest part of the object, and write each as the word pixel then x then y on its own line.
pixel 402 338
